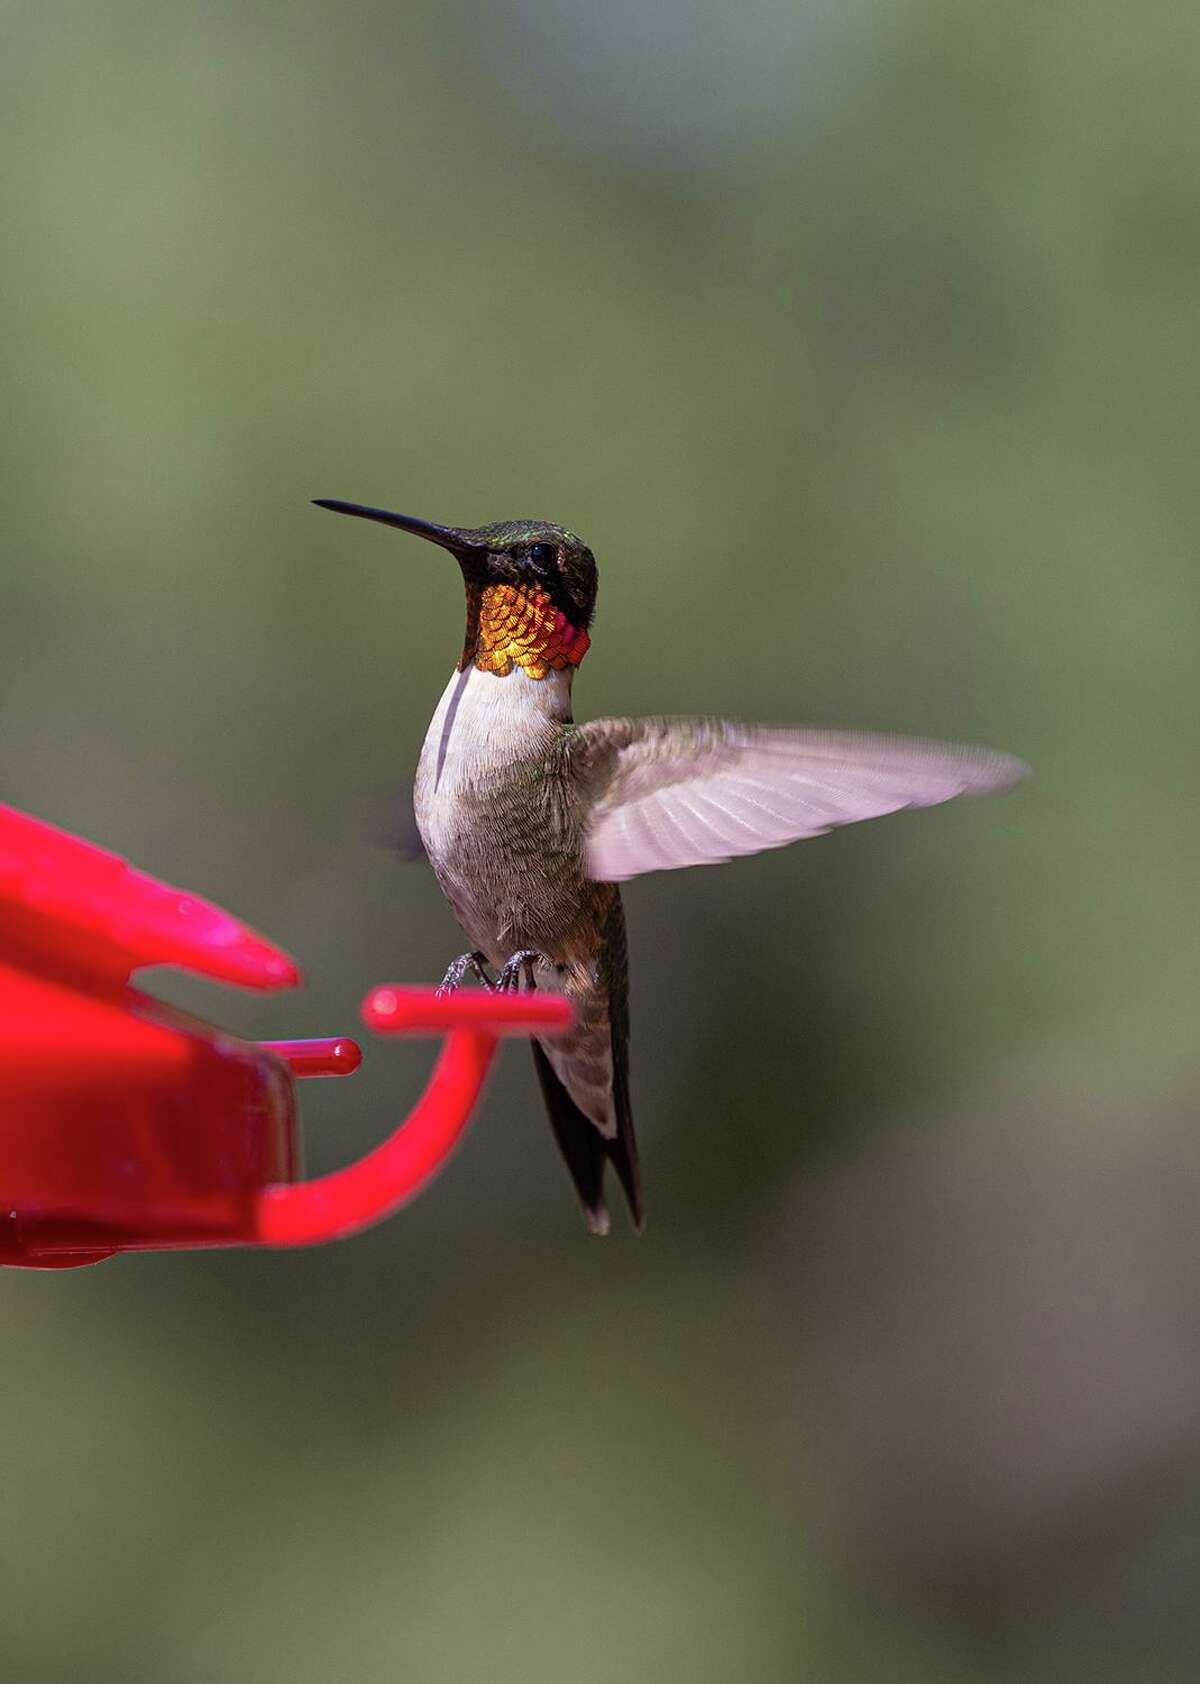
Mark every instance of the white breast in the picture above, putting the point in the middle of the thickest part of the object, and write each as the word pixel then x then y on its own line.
pixel 481 724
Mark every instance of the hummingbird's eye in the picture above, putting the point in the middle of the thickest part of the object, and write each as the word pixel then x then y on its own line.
pixel 541 555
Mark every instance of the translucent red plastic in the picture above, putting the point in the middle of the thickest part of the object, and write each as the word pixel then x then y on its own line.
pixel 128 1125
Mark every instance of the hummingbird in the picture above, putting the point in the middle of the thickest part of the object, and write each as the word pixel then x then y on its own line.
pixel 531 821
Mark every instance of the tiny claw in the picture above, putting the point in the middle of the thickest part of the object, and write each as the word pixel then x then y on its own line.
pixel 527 960
pixel 465 962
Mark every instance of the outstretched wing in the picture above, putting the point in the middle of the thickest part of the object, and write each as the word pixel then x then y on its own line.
pixel 674 792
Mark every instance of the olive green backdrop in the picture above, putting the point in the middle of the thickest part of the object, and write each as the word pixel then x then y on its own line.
pixel 860 341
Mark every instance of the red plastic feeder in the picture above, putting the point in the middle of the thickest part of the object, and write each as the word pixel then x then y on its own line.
pixel 126 1125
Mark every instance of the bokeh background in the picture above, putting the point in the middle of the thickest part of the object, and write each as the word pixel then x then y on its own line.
pixel 860 340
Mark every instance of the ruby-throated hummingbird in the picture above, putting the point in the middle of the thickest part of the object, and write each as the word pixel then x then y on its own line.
pixel 530 821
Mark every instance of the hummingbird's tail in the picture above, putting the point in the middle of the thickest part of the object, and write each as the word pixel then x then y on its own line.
pixel 585 1150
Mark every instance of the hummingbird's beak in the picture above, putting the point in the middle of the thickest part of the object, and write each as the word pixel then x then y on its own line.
pixel 449 537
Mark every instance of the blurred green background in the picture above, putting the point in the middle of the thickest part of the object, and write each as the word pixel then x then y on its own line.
pixel 861 343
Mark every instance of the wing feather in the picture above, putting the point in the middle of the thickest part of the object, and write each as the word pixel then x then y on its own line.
pixel 675 792
pixel 677 824
pixel 730 809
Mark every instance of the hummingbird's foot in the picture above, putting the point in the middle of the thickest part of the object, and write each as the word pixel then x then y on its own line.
pixel 465 962
pixel 527 960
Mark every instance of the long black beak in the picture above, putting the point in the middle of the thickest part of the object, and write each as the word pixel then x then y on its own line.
pixel 449 537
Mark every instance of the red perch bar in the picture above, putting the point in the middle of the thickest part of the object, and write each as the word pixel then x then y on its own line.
pixel 126 1125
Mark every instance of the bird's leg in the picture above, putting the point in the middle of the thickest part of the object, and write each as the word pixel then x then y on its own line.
pixel 527 960
pixel 465 962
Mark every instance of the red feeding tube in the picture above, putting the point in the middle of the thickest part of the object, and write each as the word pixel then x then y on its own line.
pixel 337 1057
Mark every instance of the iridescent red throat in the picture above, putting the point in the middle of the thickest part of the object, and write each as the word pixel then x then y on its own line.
pixel 514 626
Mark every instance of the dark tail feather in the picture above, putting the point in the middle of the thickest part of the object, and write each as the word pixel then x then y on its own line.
pixel 585 1150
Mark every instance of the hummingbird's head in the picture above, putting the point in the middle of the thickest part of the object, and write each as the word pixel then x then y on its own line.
pixel 531 589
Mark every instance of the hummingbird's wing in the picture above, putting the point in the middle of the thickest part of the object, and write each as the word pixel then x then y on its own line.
pixel 403 834
pixel 673 792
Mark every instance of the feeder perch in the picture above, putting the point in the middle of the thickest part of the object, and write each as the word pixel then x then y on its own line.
pixel 127 1125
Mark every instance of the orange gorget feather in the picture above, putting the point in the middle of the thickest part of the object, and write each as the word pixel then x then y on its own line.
pixel 519 627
